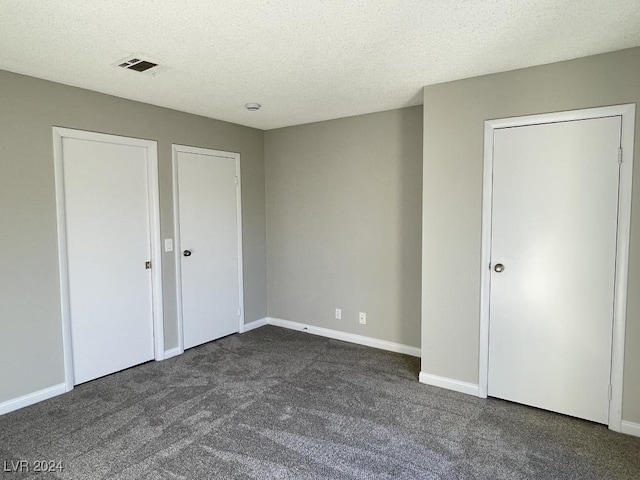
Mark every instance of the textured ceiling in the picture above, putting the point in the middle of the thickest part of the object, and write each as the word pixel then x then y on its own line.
pixel 303 60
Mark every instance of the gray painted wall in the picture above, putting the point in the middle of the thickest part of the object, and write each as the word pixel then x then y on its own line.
pixel 30 325
pixel 343 223
pixel 454 115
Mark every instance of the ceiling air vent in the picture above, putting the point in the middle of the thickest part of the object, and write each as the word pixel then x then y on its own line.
pixel 137 64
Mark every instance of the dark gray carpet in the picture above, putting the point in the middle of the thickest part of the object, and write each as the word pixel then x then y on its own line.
pixel 274 403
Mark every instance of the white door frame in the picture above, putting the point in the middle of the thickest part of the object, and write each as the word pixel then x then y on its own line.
pixel 154 229
pixel 176 228
pixel 627 112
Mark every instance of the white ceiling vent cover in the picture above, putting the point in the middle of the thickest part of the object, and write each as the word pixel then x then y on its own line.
pixel 139 64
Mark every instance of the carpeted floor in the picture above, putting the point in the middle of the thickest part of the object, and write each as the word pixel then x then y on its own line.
pixel 274 403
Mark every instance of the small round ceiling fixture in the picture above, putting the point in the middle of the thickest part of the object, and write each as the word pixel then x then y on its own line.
pixel 252 107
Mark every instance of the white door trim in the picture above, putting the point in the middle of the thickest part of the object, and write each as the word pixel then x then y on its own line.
pixel 627 112
pixel 154 229
pixel 176 228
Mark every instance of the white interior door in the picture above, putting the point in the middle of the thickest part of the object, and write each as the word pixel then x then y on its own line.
pixel 207 206
pixel 106 203
pixel 553 261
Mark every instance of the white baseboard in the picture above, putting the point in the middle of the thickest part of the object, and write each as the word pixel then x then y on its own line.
pixel 346 337
pixel 255 324
pixel 172 352
pixel 630 428
pixel 450 384
pixel 31 398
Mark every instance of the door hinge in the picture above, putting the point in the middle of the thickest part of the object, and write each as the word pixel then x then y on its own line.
pixel 610 391
pixel 147 265
pixel 620 156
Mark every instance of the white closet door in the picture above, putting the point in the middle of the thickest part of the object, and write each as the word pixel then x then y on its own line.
pixel 555 206
pixel 108 243
pixel 208 230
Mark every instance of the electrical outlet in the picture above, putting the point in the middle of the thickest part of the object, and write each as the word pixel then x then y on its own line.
pixel 363 318
pixel 338 314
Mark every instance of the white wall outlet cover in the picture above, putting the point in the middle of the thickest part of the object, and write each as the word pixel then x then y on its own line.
pixel 363 318
pixel 338 314
pixel 168 244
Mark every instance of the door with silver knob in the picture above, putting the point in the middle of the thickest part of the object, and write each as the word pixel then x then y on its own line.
pixel 108 211
pixel 554 223
pixel 207 198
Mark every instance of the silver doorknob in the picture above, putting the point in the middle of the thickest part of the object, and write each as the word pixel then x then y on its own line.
pixel 499 268
pixel 187 253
